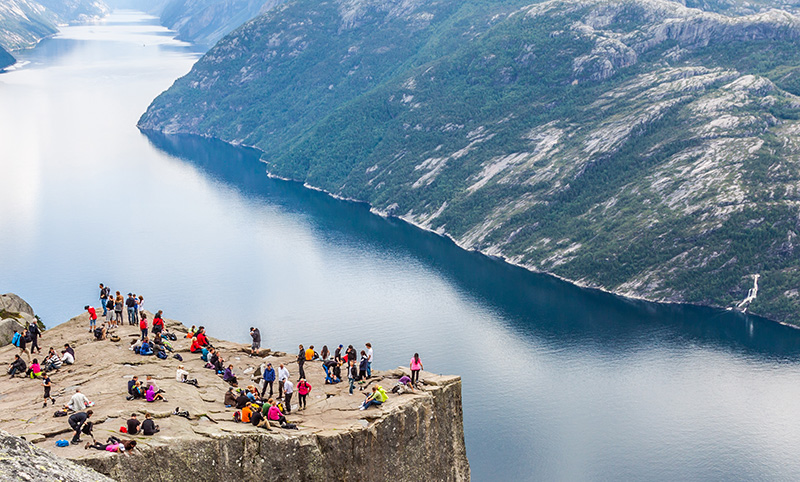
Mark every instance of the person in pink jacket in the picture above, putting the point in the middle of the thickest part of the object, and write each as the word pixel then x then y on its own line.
pixel 303 388
pixel 416 366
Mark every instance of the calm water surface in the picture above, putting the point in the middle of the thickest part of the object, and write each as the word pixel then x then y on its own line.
pixel 559 383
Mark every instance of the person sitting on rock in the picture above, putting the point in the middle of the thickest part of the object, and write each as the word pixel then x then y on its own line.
pixel 149 427
pixel 213 356
pixel 219 366
pixel 229 376
pixel 67 358
pixel 196 346
pixel 17 366
pixel 146 349
pixel 100 332
pixel 241 400
pixel 247 412
pixel 230 398
pixel 204 353
pixel 131 385
pixel 78 401
pixel 52 362
pixel 274 413
pixel 113 445
pixel 151 395
pixel 35 370
pixel 258 419
pixel 181 375
pixel 133 425
pixel 377 397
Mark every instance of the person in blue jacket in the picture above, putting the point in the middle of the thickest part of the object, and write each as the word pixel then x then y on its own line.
pixel 268 374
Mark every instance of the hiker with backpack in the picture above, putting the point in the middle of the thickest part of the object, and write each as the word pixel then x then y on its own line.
pixel 34 333
pixel 104 293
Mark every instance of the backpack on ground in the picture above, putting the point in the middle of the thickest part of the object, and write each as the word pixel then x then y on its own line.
pixel 237 416
pixel 62 443
pixel 162 355
pixel 114 338
pixel 60 413
pixel 177 356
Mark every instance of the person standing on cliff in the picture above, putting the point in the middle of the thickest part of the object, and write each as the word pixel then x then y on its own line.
pixel 268 376
pixel 352 374
pixel 143 325
pixel 118 301
pixel 369 359
pixel 33 330
pixel 288 389
pixel 131 304
pixel 283 375
pixel 256 336
pixel 92 317
pixel 104 292
pixel 47 385
pixel 301 359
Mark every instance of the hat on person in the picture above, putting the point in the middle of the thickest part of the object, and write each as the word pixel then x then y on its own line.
pixel 341 346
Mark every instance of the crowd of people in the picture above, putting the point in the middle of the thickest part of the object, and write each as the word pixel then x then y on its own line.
pixel 259 403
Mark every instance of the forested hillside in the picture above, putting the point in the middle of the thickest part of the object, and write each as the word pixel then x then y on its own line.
pixel 637 146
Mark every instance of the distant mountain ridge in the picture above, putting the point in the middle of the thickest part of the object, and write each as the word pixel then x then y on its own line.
pixel 23 23
pixel 204 22
pixel 637 146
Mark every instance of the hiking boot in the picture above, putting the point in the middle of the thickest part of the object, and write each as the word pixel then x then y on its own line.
pixel 76 442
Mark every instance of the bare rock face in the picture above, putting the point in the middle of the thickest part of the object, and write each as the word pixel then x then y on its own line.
pixel 418 441
pixel 20 460
pixel 416 435
pixel 15 314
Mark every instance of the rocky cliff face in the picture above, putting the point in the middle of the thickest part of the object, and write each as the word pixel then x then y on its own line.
pixel 418 441
pixel 20 460
pixel 23 23
pixel 636 146
pixel 412 436
pixel 206 21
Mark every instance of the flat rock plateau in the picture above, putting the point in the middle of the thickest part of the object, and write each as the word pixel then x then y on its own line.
pixel 413 436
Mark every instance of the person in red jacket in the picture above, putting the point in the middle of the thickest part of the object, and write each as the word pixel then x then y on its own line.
pixel 143 325
pixel 200 337
pixel 92 317
pixel 158 323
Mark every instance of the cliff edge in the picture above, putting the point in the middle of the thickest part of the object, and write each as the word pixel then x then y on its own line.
pixel 413 436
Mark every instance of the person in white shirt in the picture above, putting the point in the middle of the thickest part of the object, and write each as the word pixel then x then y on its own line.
pixel 79 402
pixel 288 389
pixel 67 358
pixel 283 375
pixel 181 375
pixel 369 359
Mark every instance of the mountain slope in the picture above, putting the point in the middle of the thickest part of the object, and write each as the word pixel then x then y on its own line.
pixel 6 59
pixel 637 146
pixel 23 23
pixel 206 21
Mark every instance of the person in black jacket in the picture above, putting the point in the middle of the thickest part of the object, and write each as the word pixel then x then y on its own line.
pixel 35 333
pixel 149 427
pixel 76 421
pixel 301 360
pixel 17 366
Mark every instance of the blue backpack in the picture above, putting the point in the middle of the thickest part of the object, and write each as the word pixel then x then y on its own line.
pixel 15 340
pixel 162 355
pixel 62 443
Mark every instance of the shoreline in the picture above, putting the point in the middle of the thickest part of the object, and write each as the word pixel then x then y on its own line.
pixel 496 257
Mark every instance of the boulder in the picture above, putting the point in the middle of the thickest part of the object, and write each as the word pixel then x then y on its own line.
pixel 23 461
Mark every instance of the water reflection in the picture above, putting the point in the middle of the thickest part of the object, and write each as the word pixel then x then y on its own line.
pixel 532 304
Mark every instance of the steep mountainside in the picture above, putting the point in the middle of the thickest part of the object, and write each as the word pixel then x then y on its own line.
pixel 23 23
pixel 638 146
pixel 6 59
pixel 206 21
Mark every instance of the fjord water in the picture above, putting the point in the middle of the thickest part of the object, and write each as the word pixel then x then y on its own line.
pixel 560 383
